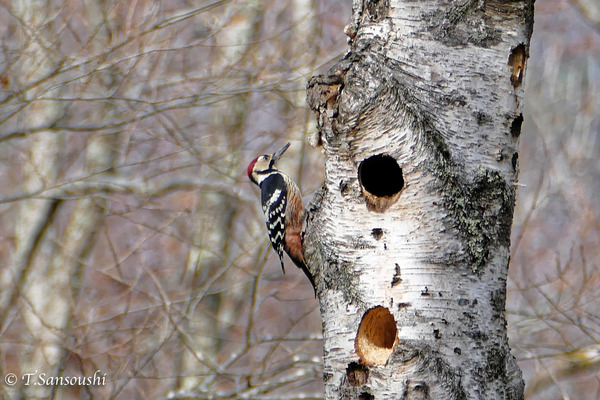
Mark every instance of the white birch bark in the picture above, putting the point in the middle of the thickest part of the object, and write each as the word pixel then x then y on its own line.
pixel 409 237
pixel 45 276
pixel 30 276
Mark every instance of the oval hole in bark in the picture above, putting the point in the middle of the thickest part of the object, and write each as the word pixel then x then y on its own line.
pixel 377 336
pixel 381 179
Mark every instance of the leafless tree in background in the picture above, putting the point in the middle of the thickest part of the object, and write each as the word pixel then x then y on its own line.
pixel 554 302
pixel 132 242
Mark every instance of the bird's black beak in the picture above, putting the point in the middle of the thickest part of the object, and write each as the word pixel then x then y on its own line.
pixel 277 155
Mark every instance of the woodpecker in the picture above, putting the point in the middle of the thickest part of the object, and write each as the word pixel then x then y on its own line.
pixel 282 205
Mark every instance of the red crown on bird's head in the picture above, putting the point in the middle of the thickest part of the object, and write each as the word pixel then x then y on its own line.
pixel 251 166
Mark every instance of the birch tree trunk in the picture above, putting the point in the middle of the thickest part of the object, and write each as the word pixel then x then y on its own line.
pixel 409 237
pixel 40 283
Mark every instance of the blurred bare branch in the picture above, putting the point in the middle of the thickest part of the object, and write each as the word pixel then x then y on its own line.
pixel 590 10
pixel 133 241
pixel 555 261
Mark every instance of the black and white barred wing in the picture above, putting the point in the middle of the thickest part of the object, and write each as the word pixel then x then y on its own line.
pixel 274 198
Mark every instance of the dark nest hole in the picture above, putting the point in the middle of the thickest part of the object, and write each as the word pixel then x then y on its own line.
pixel 381 179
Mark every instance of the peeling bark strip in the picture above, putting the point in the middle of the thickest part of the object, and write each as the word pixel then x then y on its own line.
pixel 409 237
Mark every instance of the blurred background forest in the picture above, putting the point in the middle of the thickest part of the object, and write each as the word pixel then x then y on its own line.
pixel 132 242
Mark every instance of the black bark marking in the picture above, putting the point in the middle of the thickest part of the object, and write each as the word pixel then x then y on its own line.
pixel 376 9
pixel 377 233
pixel 416 391
pixel 357 374
pixel 515 126
pixel 396 279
